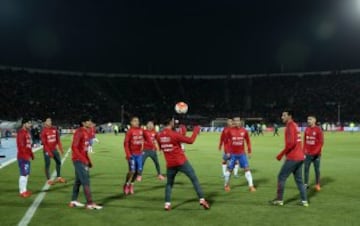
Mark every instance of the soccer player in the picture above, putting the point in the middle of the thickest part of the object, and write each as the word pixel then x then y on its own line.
pixel 82 165
pixel 24 154
pixel 313 143
pixel 276 130
pixel 150 148
pixel 237 136
pixel 92 136
pixel 176 161
pixel 133 145
pixel 50 139
pixel 294 160
pixel 224 142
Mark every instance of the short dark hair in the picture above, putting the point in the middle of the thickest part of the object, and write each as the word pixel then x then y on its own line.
pixel 84 118
pixel 25 120
pixel 167 121
pixel 289 112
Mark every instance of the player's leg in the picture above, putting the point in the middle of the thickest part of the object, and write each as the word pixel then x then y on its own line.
pixel 145 156
pixel 139 167
pixel 244 163
pixel 316 161
pixel 47 160
pixel 307 163
pixel 154 157
pixel 236 170
pixel 84 177
pixel 299 182
pixel 76 189
pixel 24 168
pixel 189 171
pixel 225 159
pixel 57 160
pixel 129 176
pixel 227 175
pixel 284 173
pixel 170 174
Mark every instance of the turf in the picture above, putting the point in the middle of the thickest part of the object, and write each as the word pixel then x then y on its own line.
pixel 338 202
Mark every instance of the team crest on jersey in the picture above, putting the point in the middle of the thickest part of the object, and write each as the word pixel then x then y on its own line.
pixel 242 134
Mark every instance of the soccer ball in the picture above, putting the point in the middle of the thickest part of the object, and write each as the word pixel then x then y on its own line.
pixel 181 108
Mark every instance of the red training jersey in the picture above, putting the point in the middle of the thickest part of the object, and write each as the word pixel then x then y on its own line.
pixel 313 140
pixel 149 144
pixel 23 142
pixel 236 138
pixel 50 139
pixel 92 132
pixel 224 141
pixel 181 129
pixel 80 146
pixel 134 141
pixel 293 149
pixel 170 143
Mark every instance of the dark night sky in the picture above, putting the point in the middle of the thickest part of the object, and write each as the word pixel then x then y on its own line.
pixel 186 37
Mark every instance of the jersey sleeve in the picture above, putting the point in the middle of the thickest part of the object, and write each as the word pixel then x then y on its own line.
pixel 58 141
pixel 187 140
pixel 290 139
pixel 127 144
pixel 75 147
pixel 43 138
pixel 222 139
pixel 248 143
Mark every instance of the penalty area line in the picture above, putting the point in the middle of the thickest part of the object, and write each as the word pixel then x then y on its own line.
pixel 40 197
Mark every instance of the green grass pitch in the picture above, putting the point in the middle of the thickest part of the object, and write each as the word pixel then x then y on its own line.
pixel 338 203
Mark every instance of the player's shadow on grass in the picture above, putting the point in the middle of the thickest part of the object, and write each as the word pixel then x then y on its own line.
pixel 311 192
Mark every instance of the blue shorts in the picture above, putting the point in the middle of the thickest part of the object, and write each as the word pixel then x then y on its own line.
pixel 225 157
pixel 136 163
pixel 241 159
pixel 24 167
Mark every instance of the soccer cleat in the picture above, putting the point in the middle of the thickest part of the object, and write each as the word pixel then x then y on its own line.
pixel 276 202
pixel 252 189
pixel 317 187
pixel 227 188
pixel 60 180
pixel 131 189
pixel 25 194
pixel 126 189
pixel 74 204
pixel 139 178
pixel 167 206
pixel 304 203
pixel 204 204
pixel 93 206
pixel 50 182
pixel 161 177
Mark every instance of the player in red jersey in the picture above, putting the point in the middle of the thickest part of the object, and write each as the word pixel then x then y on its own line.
pixel 133 146
pixel 82 164
pixel 224 143
pixel 294 160
pixel 176 161
pixel 51 141
pixel 24 154
pixel 150 148
pixel 313 143
pixel 92 136
pixel 236 137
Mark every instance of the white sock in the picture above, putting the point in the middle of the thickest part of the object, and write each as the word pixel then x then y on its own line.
pixel 236 169
pixel 249 178
pixel 227 178
pixel 224 166
pixel 22 184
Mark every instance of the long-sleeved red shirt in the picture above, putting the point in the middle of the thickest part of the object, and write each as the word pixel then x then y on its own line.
pixel 149 144
pixel 50 139
pixel 224 141
pixel 134 141
pixel 80 145
pixel 92 132
pixel 237 137
pixel 170 143
pixel 23 142
pixel 293 149
pixel 313 140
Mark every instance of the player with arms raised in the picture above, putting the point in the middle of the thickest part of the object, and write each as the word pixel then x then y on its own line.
pixel 176 161
pixel 237 136
pixel 51 140
pixel 313 143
